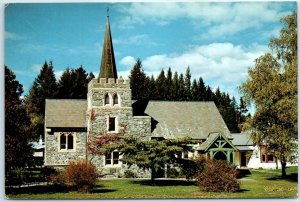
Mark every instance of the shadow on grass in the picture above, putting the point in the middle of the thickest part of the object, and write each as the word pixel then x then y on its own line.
pixel 293 177
pixel 164 182
pixel 37 190
pixel 241 191
pixel 100 189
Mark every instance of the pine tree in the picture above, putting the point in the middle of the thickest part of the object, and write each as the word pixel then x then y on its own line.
pixel 181 89
pixel 169 85
pixel 175 87
pixel 138 81
pixel 201 90
pixel 187 84
pixel 194 91
pixel 17 124
pixel 44 87
pixel 161 87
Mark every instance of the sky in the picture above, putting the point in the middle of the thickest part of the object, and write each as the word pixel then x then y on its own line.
pixel 219 41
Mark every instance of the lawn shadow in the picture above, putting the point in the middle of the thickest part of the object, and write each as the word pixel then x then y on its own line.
pixel 293 177
pixel 101 189
pixel 164 182
pixel 241 190
pixel 40 189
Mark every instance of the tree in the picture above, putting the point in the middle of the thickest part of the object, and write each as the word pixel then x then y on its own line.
pixel 272 87
pixel 137 81
pixel 17 130
pixel 201 90
pixel 146 154
pixel 187 84
pixel 73 84
pixel 181 89
pixel 169 85
pixel 161 86
pixel 44 87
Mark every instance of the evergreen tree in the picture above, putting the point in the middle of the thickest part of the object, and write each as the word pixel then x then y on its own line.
pixel 152 88
pixel 194 91
pixel 73 84
pixel 209 95
pixel 181 89
pixel 169 85
pixel 201 90
pixel 137 81
pixel 161 87
pixel 175 87
pixel 17 124
pixel 187 84
pixel 44 87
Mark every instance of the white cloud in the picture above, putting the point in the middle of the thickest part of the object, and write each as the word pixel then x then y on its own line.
pixel 13 36
pixel 128 61
pixel 36 68
pixel 58 74
pixel 218 18
pixel 219 64
pixel 140 39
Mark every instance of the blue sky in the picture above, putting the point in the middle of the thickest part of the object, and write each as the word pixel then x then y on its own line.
pixel 218 41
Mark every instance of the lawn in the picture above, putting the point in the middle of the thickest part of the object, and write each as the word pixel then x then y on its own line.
pixel 260 184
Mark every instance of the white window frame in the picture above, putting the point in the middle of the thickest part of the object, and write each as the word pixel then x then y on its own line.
pixel 112 159
pixel 66 140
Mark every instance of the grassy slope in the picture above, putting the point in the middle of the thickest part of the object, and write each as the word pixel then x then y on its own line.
pixel 260 184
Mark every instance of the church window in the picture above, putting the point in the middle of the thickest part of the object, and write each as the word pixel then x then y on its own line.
pixel 66 141
pixel 116 99
pixel 112 158
pixel 112 124
pixel 106 99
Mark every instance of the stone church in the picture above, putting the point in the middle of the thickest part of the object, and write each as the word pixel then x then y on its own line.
pixel 109 109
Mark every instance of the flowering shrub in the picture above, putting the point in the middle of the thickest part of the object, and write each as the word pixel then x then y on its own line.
pixel 218 176
pixel 82 175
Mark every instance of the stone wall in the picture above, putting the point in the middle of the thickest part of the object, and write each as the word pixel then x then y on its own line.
pixel 55 157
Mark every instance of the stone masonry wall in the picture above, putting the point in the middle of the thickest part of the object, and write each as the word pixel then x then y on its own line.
pixel 55 156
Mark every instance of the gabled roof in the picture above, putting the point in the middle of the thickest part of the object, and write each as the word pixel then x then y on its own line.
pixel 242 139
pixel 108 65
pixel 65 113
pixel 182 119
pixel 211 139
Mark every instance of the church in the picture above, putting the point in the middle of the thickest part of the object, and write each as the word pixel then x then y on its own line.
pixel 109 109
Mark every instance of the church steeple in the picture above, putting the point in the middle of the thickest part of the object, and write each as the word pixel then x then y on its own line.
pixel 108 65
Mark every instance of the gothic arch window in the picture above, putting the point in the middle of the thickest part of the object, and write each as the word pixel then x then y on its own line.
pixel 66 141
pixel 106 99
pixel 116 99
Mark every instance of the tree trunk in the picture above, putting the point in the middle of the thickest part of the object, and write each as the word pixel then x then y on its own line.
pixel 152 174
pixel 283 169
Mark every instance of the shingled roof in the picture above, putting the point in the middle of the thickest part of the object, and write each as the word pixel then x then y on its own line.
pixel 65 113
pixel 180 119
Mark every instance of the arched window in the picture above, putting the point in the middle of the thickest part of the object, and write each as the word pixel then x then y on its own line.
pixel 116 99
pixel 66 141
pixel 106 99
pixel 70 141
pixel 63 141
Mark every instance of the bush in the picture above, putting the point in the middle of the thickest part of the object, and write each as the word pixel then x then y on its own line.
pixel 129 174
pixel 80 175
pixel 218 176
pixel 172 173
pixel 191 167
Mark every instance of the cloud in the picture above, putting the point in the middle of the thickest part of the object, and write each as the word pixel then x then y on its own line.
pixel 58 74
pixel 13 36
pixel 219 64
pixel 128 61
pixel 36 68
pixel 141 39
pixel 218 19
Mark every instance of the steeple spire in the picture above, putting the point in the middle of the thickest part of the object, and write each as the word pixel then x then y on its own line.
pixel 108 65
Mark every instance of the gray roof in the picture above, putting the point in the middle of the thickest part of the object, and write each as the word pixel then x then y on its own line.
pixel 181 119
pixel 67 113
pixel 242 139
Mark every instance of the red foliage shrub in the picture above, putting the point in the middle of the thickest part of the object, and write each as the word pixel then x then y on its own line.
pixel 218 176
pixel 82 175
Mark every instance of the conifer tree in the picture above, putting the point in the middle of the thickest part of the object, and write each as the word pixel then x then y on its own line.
pixel 161 87
pixel 175 87
pixel 194 91
pixel 201 90
pixel 169 85
pixel 137 81
pixel 181 89
pixel 44 87
pixel 17 124
pixel 187 84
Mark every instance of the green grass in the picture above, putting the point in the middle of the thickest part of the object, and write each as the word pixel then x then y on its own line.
pixel 260 184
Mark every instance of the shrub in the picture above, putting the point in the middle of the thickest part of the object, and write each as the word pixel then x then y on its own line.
pixel 129 174
pixel 81 175
pixel 191 167
pixel 172 173
pixel 218 176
